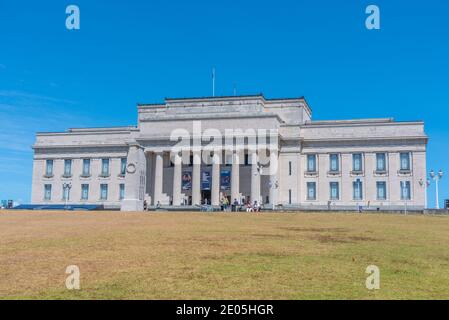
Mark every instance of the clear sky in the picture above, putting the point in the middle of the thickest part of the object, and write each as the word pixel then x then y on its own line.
pixel 127 52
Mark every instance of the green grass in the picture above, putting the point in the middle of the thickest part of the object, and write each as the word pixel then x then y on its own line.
pixel 223 256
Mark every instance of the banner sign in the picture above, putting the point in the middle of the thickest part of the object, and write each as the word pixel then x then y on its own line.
pixel 206 180
pixel 225 179
pixel 186 180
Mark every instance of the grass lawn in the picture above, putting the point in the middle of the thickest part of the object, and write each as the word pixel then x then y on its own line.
pixel 222 256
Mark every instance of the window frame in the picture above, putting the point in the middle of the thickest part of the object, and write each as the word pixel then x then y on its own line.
pixel 333 183
pixel 120 195
pixel 403 185
pixel 47 166
pixel 82 191
pixel 409 161
pixel 103 173
pixel 68 164
pixel 361 162
pixel 311 183
pixel 101 191
pixel 359 183
pixel 83 172
pixel 385 197
pixel 315 166
pixel 45 192
pixel 337 158
pixel 385 166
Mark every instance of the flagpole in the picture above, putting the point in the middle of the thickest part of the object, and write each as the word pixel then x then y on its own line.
pixel 213 82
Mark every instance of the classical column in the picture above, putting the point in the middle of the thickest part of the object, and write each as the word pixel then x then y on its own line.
pixel 235 178
pixel 274 178
pixel 177 161
pixel 215 192
pixel 196 179
pixel 158 177
pixel 255 178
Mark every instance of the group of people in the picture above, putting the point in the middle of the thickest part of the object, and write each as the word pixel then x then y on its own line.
pixel 236 206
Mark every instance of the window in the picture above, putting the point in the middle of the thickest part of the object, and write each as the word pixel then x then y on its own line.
pixel 405 161
pixel 65 193
pixel 67 167
pixel 123 166
pixel 289 196
pixel 381 163
pixel 381 190
pixel 105 167
pixel 357 162
pixel 103 191
pixel 122 191
pixel 49 168
pixel 84 191
pixel 334 163
pixel 47 192
pixel 311 163
pixel 334 191
pixel 86 167
pixel 311 191
pixel 289 168
pixel 357 188
pixel 405 190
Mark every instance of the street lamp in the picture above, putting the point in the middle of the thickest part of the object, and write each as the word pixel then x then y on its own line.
pixel 436 177
pixel 66 187
pixel 425 185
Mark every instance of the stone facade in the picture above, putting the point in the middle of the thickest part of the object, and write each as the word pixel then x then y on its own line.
pixel 378 163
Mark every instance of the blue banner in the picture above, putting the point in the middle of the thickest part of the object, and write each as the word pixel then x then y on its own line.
pixel 206 180
pixel 186 180
pixel 225 179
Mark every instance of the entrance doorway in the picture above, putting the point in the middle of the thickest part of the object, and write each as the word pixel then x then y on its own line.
pixel 206 197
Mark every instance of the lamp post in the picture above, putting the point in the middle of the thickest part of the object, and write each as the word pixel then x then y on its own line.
pixel 425 185
pixel 66 187
pixel 436 177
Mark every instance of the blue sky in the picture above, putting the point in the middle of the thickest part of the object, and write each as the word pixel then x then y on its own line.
pixel 142 51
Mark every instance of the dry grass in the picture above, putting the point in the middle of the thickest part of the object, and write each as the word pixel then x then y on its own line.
pixel 222 256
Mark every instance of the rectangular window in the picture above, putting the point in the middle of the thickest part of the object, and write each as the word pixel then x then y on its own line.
pixel 86 167
pixel 334 163
pixel 406 193
pixel 381 162
pixel 122 191
pixel 103 191
pixel 405 161
pixel 357 190
pixel 67 167
pixel 381 190
pixel 246 159
pixel 311 191
pixel 311 163
pixel 65 193
pixel 289 168
pixel 47 192
pixel 49 168
pixel 84 192
pixel 105 167
pixel 289 196
pixel 334 191
pixel 123 166
pixel 357 162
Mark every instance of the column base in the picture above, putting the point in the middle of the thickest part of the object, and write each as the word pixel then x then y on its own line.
pixel 131 205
